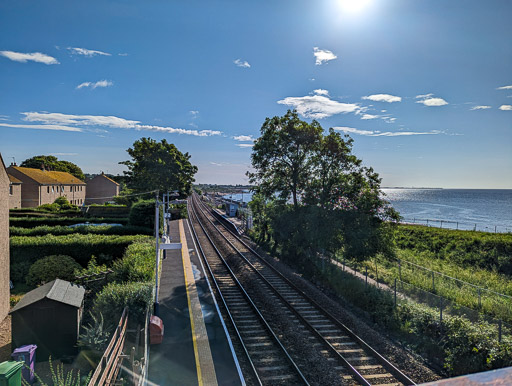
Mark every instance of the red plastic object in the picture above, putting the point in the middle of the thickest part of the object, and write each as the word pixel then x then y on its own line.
pixel 156 330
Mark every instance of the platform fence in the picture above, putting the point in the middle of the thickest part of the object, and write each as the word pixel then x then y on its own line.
pixel 457 225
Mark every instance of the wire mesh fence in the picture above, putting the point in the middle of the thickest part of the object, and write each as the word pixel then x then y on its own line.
pixel 458 225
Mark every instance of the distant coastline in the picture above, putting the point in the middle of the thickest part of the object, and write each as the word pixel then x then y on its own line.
pixel 408 187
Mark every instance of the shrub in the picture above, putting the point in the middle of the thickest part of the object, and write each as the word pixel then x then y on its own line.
pixel 115 297
pixel 60 230
pixel 142 213
pixel 31 222
pixel 95 335
pixel 49 207
pixel 50 268
pixel 137 264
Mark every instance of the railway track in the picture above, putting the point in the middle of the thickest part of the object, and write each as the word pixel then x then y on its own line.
pixel 351 359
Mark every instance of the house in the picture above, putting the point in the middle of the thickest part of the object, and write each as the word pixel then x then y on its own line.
pixel 101 189
pixel 14 192
pixel 49 316
pixel 43 187
pixel 4 241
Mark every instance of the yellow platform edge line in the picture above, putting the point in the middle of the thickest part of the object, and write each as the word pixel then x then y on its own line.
pixel 192 298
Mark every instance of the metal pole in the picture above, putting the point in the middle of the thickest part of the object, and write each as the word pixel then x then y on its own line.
pixel 400 269
pixel 157 250
pixel 395 291
pixel 366 277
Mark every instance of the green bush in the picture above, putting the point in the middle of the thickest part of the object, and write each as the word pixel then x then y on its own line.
pixel 112 299
pixel 61 230
pixel 80 247
pixel 137 264
pixel 31 222
pixel 49 207
pixel 142 213
pixel 50 268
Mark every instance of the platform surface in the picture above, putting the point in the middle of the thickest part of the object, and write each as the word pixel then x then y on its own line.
pixel 195 349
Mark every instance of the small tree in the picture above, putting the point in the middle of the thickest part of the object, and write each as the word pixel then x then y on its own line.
pixel 50 268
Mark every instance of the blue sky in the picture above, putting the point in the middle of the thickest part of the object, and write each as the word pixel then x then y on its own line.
pixel 424 87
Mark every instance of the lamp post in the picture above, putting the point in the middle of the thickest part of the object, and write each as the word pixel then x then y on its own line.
pixel 157 265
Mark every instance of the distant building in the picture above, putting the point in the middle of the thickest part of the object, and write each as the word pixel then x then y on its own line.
pixel 14 192
pixel 49 316
pixel 231 208
pixel 43 187
pixel 101 189
pixel 4 241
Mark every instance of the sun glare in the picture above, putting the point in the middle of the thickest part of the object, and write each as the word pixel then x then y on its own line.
pixel 354 6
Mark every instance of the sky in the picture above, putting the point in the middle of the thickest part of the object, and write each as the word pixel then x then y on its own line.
pixel 423 87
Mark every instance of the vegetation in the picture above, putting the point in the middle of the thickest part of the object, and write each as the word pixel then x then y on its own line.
pixel 137 264
pixel 50 268
pixel 60 230
pixel 142 214
pixel 95 336
pixel 158 166
pixel 60 378
pixel 116 296
pixel 30 222
pixel 50 162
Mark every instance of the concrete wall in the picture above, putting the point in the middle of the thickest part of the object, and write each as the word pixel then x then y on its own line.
pixel 4 242
pixel 15 197
pixel 98 187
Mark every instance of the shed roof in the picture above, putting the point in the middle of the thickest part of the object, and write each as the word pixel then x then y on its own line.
pixel 13 179
pixel 59 290
pixel 49 177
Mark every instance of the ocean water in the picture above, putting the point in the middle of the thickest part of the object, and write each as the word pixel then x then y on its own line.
pixel 481 209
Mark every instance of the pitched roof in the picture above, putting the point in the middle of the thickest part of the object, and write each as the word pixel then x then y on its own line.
pixel 48 178
pixel 103 176
pixel 59 290
pixel 13 179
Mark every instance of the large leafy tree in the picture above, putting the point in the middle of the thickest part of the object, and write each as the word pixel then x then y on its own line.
pixel 282 156
pixel 158 166
pixel 50 162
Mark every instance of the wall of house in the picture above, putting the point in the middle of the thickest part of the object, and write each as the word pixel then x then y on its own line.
pixel 29 191
pixel 15 197
pixel 4 242
pixel 100 187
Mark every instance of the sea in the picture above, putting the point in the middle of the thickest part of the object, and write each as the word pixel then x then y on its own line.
pixel 488 210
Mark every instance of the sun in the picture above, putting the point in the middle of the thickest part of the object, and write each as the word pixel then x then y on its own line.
pixel 354 6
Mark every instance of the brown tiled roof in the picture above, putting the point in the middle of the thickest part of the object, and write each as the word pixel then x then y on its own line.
pixel 49 178
pixel 13 179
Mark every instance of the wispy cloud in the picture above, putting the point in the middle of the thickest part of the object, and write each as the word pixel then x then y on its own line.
pixel 505 88
pixel 243 138
pixel 371 133
pixel 430 101
pixel 369 116
pixel 93 85
pixel 322 56
pixel 383 98
pixel 318 106
pixel 480 107
pixel 33 57
pixel 320 91
pixel 123 54
pixel 242 63
pixel 245 145
pixel 506 107
pixel 64 154
pixel 86 52
pixel 65 120
pixel 194 113
pixel 42 127
pixel 216 164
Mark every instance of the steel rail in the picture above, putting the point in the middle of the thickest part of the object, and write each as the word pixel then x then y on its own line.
pixel 250 302
pixel 400 376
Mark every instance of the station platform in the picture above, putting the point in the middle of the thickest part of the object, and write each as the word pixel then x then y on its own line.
pixel 196 349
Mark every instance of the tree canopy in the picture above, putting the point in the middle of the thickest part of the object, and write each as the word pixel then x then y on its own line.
pixel 312 195
pixel 50 162
pixel 158 166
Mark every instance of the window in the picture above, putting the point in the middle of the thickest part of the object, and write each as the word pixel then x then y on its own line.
pixel 53 191
pixel 48 189
pixel 62 188
pixel 70 188
pixel 10 190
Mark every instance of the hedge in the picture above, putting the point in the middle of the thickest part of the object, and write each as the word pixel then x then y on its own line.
pixel 137 264
pixel 80 247
pixel 61 230
pixel 31 222
pixel 50 268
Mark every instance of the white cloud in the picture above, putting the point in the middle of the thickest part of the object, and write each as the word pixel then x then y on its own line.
pixel 371 133
pixel 93 85
pixel 429 101
pixel 505 88
pixel 383 98
pixel 42 127
pixel 506 107
pixel 243 138
pixel 194 113
pixel 383 111
pixel 216 164
pixel 318 106
pixel 322 56
pixel 33 56
pixel 245 145
pixel 242 63
pixel 480 107
pixel 320 91
pixel 370 116
pixel 389 119
pixel 108 121
pixel 86 52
